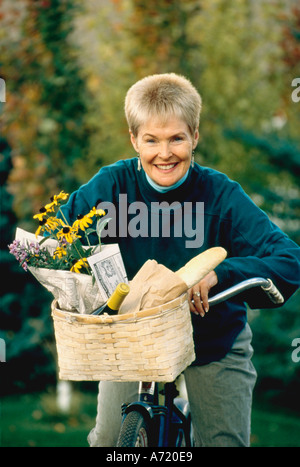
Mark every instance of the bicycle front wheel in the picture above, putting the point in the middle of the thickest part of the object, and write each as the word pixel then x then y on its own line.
pixel 134 432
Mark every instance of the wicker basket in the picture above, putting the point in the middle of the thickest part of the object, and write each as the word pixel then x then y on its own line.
pixel 152 345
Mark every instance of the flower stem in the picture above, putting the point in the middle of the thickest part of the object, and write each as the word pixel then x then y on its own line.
pixel 63 216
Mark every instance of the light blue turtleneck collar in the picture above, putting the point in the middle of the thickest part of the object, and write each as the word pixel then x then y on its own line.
pixel 165 189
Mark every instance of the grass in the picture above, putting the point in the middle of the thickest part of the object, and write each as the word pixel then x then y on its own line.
pixel 33 420
pixel 273 427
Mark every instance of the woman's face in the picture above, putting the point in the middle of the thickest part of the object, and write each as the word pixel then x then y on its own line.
pixel 165 149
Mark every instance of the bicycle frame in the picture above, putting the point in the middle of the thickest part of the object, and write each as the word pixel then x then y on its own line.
pixel 167 421
pixel 173 417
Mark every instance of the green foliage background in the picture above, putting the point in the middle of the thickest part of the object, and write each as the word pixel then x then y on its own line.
pixel 67 66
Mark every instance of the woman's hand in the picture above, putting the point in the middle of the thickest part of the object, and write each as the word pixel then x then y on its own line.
pixel 199 294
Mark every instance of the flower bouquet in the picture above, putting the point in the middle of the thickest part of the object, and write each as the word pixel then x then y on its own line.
pixel 58 259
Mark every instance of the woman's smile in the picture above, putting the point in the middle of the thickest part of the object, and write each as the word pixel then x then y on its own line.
pixel 166 167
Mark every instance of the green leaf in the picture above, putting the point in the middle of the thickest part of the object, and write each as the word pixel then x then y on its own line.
pixel 88 251
pixel 77 250
pixel 89 231
pixel 47 238
pixel 101 224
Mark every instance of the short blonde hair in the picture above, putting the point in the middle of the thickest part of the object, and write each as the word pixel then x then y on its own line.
pixel 162 95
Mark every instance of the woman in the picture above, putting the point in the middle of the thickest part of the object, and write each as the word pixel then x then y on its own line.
pixel 163 116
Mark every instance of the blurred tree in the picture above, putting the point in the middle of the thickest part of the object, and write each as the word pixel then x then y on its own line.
pixel 44 119
pixel 159 32
pixel 274 333
pixel 277 143
pixel 43 122
pixel 100 35
pixel 291 39
pixel 25 318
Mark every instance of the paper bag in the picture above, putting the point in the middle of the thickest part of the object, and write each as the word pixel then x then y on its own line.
pixel 153 285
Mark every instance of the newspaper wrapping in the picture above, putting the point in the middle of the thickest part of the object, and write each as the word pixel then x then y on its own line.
pixel 80 292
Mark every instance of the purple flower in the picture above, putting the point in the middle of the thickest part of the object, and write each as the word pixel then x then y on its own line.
pixel 35 248
pixel 14 248
pixel 20 253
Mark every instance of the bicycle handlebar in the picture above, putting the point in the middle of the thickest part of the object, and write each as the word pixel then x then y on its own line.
pixel 266 284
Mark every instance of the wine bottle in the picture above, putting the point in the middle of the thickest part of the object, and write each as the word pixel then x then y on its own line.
pixel 114 302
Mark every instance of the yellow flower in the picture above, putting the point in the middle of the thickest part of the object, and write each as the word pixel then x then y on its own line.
pixel 96 212
pixel 42 214
pixel 79 264
pixel 62 196
pixel 48 225
pixel 50 207
pixel 59 252
pixel 55 201
pixel 82 222
pixel 53 223
pixel 68 233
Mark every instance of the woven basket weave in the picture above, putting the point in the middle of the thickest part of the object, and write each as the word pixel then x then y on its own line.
pixel 152 345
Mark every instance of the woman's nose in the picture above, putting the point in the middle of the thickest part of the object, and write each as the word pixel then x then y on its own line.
pixel 165 150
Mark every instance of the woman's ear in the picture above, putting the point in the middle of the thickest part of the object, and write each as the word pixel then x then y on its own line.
pixel 196 139
pixel 133 141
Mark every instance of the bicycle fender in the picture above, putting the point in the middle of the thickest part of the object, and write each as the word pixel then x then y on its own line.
pixel 183 406
pixel 141 407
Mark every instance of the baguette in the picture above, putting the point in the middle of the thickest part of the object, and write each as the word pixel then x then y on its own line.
pixel 200 265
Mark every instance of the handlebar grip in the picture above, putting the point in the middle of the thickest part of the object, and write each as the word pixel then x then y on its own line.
pixel 266 285
pixel 272 292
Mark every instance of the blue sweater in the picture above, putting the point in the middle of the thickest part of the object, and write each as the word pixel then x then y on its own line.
pixel 222 215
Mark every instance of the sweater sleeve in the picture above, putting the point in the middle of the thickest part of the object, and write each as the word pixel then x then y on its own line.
pixel 256 248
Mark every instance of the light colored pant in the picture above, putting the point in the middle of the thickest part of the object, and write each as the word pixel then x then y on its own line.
pixel 220 397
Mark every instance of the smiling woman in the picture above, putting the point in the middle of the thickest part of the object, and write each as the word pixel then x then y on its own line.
pixel 163 113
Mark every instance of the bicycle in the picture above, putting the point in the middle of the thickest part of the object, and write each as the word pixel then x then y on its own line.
pixel 147 422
